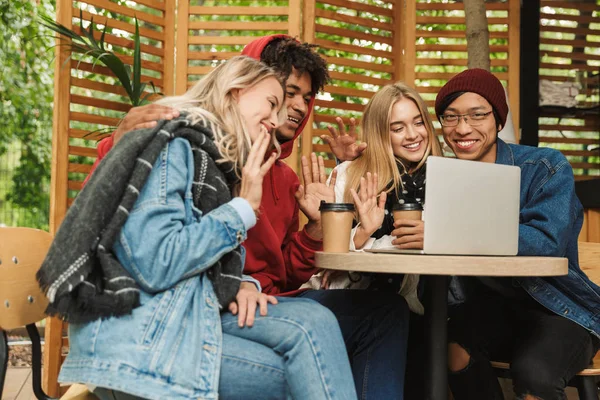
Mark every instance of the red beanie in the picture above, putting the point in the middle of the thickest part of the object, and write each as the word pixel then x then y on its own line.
pixel 478 81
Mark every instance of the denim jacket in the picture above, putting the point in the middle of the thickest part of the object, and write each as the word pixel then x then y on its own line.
pixel 170 346
pixel 550 219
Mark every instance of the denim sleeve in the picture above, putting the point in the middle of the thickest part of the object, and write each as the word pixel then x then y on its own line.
pixel 166 240
pixel 549 212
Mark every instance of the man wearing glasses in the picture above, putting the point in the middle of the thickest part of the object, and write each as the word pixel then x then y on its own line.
pixel 547 328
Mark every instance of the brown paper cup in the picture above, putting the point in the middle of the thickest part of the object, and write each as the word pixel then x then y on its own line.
pixel 336 222
pixel 407 214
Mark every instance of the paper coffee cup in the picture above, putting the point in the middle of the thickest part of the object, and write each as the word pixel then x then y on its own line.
pixel 336 222
pixel 407 211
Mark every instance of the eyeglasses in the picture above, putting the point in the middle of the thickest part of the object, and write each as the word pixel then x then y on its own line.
pixel 475 118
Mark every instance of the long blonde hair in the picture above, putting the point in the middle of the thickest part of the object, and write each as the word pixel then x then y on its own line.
pixel 379 156
pixel 211 101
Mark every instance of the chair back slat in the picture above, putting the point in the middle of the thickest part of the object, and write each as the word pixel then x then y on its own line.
pixel 22 251
pixel 589 260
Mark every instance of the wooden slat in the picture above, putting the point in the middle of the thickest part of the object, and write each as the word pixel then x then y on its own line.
pixel 220 40
pixel 233 10
pixel 88 135
pixel 513 86
pixel 358 78
pixel 568 128
pixel 564 29
pixel 124 26
pixel 237 25
pixel 422 19
pixel 156 4
pixel 199 70
pixel 331 45
pixel 339 105
pixel 567 67
pixel 353 5
pixel 547 139
pixel 93 119
pixel 457 6
pixel 456 34
pixel 569 17
pixel 583 165
pixel 570 56
pixel 127 11
pixel 99 69
pixel 457 48
pixel 352 34
pixel 369 66
pixel 75 185
pixel 98 103
pixel 457 61
pixel 448 75
pixel 581 153
pixel 82 151
pixel 81 168
pixel 98 86
pixel 212 55
pixel 348 91
pixel 124 43
pixel 563 42
pixel 569 5
pixel 348 19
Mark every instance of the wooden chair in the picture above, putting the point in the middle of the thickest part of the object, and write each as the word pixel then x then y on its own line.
pixel 22 251
pixel 585 381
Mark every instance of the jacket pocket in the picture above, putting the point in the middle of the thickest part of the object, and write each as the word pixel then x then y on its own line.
pixel 158 312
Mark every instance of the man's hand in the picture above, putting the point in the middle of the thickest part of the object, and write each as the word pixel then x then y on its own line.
pixel 343 145
pixel 315 189
pixel 245 304
pixel 409 233
pixel 143 117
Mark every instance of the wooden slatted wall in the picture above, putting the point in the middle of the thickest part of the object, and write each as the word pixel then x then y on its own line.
pixel 570 41
pixel 360 56
pixel 440 47
pixel 419 42
pixel 212 31
pixel 88 102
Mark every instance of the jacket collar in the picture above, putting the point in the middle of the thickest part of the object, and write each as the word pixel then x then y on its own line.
pixel 504 154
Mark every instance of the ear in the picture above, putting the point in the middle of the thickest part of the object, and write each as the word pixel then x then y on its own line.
pixel 235 93
pixel 500 127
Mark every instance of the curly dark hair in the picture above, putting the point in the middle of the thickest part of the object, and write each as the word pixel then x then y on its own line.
pixel 282 54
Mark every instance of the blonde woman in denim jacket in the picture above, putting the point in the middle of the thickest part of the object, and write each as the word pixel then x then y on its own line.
pixel 180 343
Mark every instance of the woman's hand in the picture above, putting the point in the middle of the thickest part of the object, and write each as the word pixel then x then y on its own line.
pixel 245 304
pixel 255 170
pixel 409 233
pixel 370 210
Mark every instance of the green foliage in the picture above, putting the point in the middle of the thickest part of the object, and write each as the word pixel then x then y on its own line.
pixel 26 81
pixel 89 46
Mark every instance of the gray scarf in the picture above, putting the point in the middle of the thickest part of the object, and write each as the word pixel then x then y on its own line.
pixel 81 276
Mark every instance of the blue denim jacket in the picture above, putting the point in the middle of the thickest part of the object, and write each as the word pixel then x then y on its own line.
pixel 170 346
pixel 550 219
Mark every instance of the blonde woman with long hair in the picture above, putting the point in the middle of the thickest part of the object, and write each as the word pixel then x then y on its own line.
pixel 400 136
pixel 159 308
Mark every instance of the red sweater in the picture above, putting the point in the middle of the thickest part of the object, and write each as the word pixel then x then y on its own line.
pixel 279 256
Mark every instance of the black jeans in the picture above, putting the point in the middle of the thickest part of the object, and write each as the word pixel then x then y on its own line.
pixel 544 350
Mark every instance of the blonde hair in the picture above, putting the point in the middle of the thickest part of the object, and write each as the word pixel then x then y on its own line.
pixel 212 102
pixel 379 156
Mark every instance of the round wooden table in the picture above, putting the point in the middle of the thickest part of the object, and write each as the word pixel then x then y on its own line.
pixel 438 268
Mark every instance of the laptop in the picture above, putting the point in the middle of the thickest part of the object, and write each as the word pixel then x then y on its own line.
pixel 472 208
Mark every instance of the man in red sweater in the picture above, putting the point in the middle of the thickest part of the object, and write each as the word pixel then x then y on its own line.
pixel 281 257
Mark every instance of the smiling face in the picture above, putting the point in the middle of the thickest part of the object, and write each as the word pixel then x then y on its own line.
pixel 408 133
pixel 477 143
pixel 259 106
pixel 298 93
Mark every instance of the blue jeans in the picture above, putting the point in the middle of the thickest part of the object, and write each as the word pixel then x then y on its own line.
pixel 374 325
pixel 298 342
pixel 295 351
